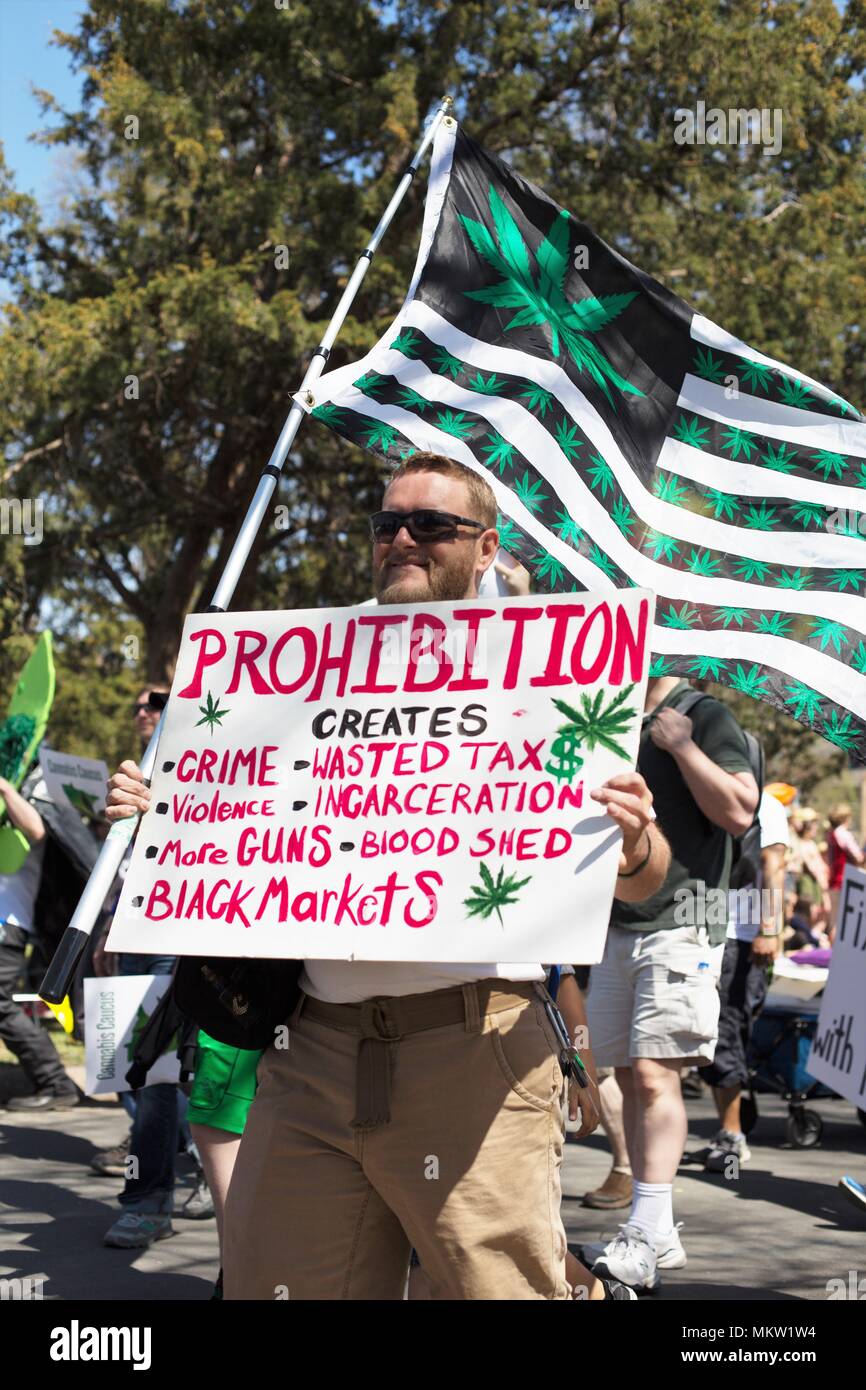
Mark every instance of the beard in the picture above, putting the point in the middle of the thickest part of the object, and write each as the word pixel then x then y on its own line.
pixel 437 583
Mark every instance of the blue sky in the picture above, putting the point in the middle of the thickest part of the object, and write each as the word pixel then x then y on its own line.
pixel 28 59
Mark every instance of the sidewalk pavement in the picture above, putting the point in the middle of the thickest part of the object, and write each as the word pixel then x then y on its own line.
pixel 778 1232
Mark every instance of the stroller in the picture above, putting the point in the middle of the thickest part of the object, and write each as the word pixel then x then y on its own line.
pixel 781 1038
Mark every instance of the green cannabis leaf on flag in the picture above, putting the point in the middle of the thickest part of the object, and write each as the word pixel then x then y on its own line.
pixel 596 726
pixel 543 301
pixel 213 715
pixel 493 893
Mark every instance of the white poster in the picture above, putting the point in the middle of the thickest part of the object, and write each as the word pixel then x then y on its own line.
pixel 407 783
pixel 79 782
pixel 116 1010
pixel 838 1053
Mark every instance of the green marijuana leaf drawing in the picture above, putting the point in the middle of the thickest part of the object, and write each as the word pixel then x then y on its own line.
pixel 840 732
pixel 755 374
pixel 595 726
pixel 499 452
pixel 380 435
pixel 509 536
pixel 370 383
pixel 212 713
pixel 669 488
pixel 568 529
pixel 407 342
pixel 748 682
pixel 707 667
pixel 543 301
pixel 454 422
pixel 795 393
pixel 806 701
pixel 566 438
pixel 328 414
pixel 709 367
pixel 780 459
pixel 493 893
pixel 691 432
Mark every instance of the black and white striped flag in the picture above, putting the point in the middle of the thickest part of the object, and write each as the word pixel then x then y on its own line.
pixel 629 441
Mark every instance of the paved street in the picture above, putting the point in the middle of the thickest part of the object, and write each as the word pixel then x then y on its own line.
pixel 779 1232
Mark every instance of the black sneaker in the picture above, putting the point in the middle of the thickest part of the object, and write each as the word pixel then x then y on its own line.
pixel 617 1292
pixel 50 1098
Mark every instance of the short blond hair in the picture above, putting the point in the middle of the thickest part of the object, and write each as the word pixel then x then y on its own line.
pixel 480 491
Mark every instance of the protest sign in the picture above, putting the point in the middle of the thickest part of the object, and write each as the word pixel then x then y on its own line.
pixel 78 782
pixel 400 783
pixel 838 1053
pixel 115 1012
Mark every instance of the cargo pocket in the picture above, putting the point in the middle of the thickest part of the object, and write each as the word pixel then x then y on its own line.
pixel 212 1076
pixel 527 1056
pixel 692 972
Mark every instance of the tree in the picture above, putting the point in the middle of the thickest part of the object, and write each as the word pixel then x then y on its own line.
pixel 232 158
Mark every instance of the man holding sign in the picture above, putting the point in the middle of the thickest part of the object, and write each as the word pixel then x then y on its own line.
pixel 412 1102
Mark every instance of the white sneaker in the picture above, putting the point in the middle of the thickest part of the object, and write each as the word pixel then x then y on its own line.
pixel 669 1250
pixel 631 1258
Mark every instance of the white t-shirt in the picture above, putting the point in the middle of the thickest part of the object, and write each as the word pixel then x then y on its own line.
pixel 744 914
pixel 18 891
pixel 352 981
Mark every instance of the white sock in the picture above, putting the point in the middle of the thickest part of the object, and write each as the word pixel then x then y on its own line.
pixel 652 1207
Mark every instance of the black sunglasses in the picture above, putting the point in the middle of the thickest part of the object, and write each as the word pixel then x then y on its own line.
pixel 156 701
pixel 422 525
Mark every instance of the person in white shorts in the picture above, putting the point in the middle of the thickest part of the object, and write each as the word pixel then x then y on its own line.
pixel 653 1003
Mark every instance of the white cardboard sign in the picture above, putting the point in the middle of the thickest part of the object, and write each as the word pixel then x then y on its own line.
pixel 399 783
pixel 838 1053
pixel 115 1011
pixel 79 782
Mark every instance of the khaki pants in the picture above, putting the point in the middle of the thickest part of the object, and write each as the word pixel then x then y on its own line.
pixel 467 1169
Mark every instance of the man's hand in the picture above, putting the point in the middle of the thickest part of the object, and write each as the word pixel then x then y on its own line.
pixel 628 800
pixel 765 949
pixel 127 793
pixel 671 730
pixel 516 578
pixel 584 1099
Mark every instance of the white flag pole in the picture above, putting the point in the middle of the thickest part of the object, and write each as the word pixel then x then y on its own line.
pixel 58 977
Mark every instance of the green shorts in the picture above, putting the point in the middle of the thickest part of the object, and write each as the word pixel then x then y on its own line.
pixel 223 1086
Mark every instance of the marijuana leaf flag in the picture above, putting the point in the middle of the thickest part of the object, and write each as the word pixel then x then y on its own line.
pixel 629 440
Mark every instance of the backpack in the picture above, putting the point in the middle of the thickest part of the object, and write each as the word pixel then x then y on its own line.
pixel 240 1001
pixel 746 858
pixel 166 1025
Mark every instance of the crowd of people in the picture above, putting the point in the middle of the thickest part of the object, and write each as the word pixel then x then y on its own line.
pixel 314 1159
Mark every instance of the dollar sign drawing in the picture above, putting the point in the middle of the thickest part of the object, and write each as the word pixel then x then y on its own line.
pixel 564 751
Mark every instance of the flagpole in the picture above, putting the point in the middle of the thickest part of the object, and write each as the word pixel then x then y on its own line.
pixel 58 977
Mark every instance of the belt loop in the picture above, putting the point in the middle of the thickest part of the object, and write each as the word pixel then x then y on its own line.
pixel 472 1010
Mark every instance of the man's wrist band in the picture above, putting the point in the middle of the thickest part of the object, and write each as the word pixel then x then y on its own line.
pixel 632 873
